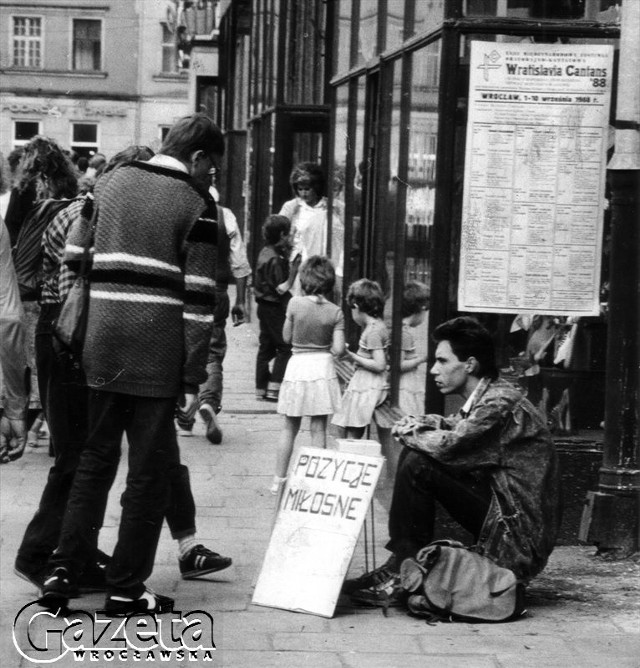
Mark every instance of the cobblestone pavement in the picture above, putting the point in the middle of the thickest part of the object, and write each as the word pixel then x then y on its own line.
pixel 582 611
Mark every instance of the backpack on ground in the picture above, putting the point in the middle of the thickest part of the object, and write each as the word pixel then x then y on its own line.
pixel 27 251
pixel 447 581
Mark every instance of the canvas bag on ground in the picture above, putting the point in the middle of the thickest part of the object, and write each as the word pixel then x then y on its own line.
pixel 448 581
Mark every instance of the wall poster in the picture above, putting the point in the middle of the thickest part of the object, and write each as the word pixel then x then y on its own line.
pixel 537 134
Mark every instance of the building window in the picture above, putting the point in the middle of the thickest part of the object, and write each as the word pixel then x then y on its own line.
pixel 84 138
pixel 27 41
pixel 87 44
pixel 169 54
pixel 164 131
pixel 23 131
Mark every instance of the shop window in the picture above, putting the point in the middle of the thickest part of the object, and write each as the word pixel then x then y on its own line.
pixel 421 162
pixel 342 57
pixel 84 138
pixel 368 31
pixel 87 45
pixel 304 74
pixel 395 23
pixel 428 16
pixel 27 41
pixel 208 94
pixel 23 131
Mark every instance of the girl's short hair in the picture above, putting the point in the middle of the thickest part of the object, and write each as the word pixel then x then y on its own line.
pixel 415 298
pixel 368 296
pixel 273 228
pixel 317 276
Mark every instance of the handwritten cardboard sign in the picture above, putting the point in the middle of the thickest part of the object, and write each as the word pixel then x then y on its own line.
pixel 321 512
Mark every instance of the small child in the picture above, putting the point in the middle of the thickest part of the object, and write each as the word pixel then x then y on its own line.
pixel 415 302
pixel 315 328
pixel 368 387
pixel 272 270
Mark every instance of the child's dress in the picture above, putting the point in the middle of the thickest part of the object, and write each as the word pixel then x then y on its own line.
pixel 310 385
pixel 411 395
pixel 366 389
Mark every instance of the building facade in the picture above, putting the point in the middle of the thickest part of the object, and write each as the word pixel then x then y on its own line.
pixel 94 76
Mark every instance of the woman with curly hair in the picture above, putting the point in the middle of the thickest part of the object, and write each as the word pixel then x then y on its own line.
pixel 45 171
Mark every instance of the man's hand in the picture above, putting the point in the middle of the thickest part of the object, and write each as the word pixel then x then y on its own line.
pixel 407 425
pixel 13 438
pixel 238 314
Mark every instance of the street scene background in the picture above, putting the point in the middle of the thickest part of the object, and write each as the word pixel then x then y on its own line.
pixel 581 611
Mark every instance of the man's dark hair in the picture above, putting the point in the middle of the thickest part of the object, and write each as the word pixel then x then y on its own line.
pixel 468 338
pixel 273 228
pixel 193 133
pixel 82 163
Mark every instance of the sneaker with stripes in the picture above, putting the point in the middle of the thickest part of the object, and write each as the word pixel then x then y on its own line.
pixel 201 561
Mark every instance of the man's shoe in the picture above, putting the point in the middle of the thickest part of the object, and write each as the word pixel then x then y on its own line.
pixel 213 431
pixel 386 594
pixel 149 602
pixel 201 561
pixel 373 578
pixel 57 589
pixel 271 395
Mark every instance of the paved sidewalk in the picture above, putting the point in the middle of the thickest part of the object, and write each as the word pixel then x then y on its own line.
pixel 582 611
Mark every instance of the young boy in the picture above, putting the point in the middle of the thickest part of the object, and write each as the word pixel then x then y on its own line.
pixel 271 272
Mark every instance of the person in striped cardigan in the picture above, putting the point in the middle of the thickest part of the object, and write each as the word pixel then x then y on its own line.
pixel 150 318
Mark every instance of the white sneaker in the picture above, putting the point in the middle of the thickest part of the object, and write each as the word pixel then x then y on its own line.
pixel 213 431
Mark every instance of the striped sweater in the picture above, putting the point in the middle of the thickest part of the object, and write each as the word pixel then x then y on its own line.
pixel 152 282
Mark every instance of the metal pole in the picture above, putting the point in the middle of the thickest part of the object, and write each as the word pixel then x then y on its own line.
pixel 612 518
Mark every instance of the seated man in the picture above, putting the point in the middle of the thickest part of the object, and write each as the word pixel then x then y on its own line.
pixel 493 467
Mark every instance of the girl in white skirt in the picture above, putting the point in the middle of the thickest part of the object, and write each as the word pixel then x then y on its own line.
pixel 415 302
pixel 368 387
pixel 314 327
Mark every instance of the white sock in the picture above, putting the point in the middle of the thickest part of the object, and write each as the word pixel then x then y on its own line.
pixel 185 545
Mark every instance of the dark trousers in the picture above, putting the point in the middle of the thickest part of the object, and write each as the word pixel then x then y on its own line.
pixel 153 452
pixel 64 400
pixel 211 389
pixel 181 511
pixel 271 346
pixel 420 482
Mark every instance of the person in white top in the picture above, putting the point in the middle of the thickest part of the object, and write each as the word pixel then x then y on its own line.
pixel 308 213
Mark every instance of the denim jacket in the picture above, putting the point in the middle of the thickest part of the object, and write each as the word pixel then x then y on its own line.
pixel 502 437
